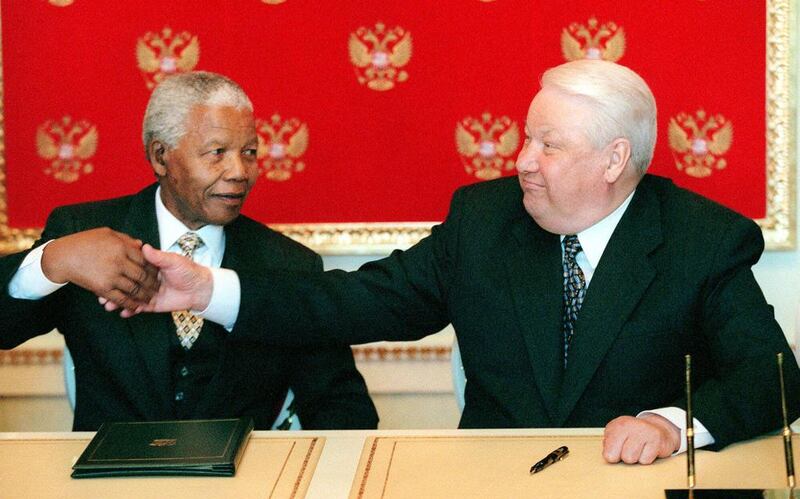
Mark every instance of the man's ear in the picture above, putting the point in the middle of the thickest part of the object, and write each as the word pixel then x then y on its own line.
pixel 618 159
pixel 157 151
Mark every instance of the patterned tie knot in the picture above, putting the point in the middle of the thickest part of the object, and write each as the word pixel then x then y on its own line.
pixel 571 246
pixel 189 242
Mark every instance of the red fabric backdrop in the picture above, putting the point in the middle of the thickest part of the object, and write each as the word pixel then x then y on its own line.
pixel 372 155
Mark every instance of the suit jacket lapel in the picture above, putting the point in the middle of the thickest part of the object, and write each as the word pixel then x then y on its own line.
pixel 619 281
pixel 534 269
pixel 234 258
pixel 150 332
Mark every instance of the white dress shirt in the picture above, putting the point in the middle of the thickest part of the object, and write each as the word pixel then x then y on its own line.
pixel 29 282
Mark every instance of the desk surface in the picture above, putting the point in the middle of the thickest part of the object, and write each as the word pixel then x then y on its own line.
pixel 396 464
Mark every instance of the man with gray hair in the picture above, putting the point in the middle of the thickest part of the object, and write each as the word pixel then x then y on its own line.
pixel 200 139
pixel 575 289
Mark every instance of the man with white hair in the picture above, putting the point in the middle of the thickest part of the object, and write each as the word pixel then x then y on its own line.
pixel 575 289
pixel 200 139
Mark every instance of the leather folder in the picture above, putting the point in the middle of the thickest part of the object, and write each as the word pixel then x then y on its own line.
pixel 210 447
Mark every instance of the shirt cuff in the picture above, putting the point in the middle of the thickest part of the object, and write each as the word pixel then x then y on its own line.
pixel 29 281
pixel 677 416
pixel 226 294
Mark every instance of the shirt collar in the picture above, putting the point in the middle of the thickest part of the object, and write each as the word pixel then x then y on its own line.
pixel 595 238
pixel 170 229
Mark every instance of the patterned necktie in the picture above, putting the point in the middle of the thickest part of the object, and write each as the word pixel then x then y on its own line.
pixel 187 324
pixel 574 290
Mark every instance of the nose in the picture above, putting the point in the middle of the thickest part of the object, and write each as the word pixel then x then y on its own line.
pixel 239 168
pixel 526 160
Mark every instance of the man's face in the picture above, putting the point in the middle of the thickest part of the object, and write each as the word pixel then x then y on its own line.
pixel 560 170
pixel 207 176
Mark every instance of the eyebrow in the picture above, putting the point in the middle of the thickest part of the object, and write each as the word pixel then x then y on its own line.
pixel 217 141
pixel 545 131
pixel 214 141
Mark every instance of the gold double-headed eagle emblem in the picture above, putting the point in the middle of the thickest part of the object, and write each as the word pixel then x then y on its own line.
pixel 160 55
pixel 67 145
pixel 593 41
pixel 281 144
pixel 699 141
pixel 487 145
pixel 378 55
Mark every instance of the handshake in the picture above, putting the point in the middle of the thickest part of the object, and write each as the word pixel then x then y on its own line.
pixel 126 274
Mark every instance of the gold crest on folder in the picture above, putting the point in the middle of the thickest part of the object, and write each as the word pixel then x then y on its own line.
pixel 378 55
pixel 699 142
pixel 281 144
pixel 162 54
pixel 67 145
pixel 487 145
pixel 593 41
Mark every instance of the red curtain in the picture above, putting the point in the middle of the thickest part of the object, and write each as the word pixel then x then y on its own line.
pixel 370 111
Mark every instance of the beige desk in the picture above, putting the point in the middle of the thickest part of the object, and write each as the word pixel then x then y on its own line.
pixel 396 464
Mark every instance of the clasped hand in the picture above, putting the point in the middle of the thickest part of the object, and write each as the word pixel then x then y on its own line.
pixel 640 440
pixel 182 285
pixel 108 263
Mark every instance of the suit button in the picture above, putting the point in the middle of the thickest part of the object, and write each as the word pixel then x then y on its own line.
pixel 179 396
pixel 184 371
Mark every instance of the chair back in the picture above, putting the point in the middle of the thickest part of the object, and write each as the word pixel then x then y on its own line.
pixel 459 377
pixel 68 366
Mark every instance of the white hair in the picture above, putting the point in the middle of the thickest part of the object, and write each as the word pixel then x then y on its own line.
pixel 173 99
pixel 623 103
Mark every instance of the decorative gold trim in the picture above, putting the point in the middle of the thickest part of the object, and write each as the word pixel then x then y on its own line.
pixel 44 356
pixel 31 357
pixel 779 225
pixel 410 352
pixel 306 460
pixel 356 238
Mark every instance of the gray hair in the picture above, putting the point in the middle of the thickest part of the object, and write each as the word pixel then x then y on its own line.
pixel 173 99
pixel 623 103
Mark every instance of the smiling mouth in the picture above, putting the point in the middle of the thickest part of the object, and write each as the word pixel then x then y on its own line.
pixel 231 198
pixel 527 184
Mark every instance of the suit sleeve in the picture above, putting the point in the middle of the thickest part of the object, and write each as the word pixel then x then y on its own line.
pixel 740 399
pixel 329 391
pixel 399 298
pixel 21 320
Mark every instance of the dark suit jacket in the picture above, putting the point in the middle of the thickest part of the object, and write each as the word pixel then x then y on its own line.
pixel 674 279
pixel 122 367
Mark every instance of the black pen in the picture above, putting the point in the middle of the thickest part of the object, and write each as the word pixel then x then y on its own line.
pixel 555 456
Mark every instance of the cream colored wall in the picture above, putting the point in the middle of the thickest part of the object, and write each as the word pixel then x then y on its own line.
pixel 32 396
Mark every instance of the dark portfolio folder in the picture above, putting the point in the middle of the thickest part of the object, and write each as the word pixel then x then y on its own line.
pixel 211 447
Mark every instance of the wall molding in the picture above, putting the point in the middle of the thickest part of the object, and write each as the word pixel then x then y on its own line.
pixel 366 353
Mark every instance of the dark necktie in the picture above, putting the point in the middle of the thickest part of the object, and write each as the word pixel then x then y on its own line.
pixel 188 325
pixel 574 290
